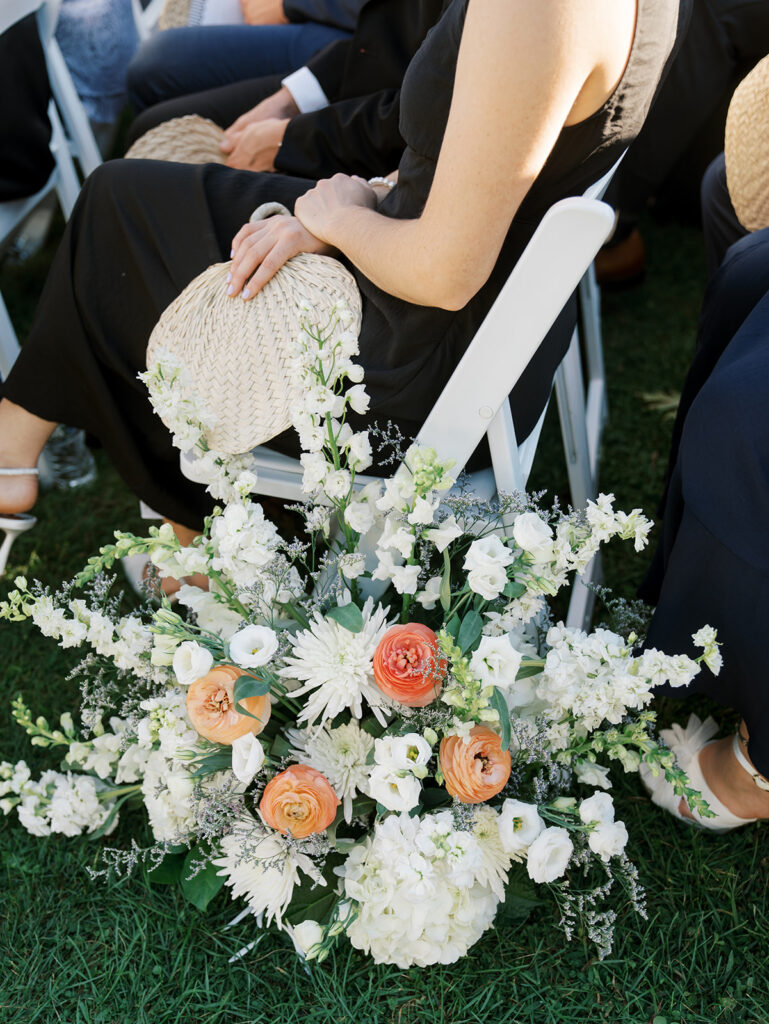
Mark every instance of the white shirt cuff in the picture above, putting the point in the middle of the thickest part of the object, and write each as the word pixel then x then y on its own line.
pixel 306 90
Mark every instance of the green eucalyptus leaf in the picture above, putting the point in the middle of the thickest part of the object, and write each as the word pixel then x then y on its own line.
pixel 245 687
pixel 200 889
pixel 470 631
pixel 347 615
pixel 313 902
pixel 499 704
pixel 514 589
pixel 452 626
pixel 526 670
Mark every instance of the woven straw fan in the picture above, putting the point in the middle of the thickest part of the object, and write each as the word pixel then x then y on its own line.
pixel 747 148
pixel 187 140
pixel 239 354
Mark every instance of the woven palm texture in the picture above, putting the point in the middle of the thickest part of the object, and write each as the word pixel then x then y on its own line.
pixel 187 140
pixel 239 354
pixel 175 14
pixel 747 148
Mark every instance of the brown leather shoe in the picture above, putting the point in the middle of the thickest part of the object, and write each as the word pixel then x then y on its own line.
pixel 623 263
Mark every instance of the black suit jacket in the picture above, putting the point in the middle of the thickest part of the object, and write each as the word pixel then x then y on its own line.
pixel 359 131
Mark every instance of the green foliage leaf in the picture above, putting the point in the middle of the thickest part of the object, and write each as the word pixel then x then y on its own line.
pixel 216 761
pixel 347 615
pixel 520 897
pixel 280 747
pixel 446 582
pixel 245 687
pixel 452 626
pixel 514 589
pixel 470 631
pixel 168 871
pixel 201 888
pixel 110 820
pixel 527 670
pixel 499 704
pixel 434 796
pixel 311 902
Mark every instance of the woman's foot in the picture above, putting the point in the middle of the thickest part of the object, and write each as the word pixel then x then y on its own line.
pixel 22 438
pixel 729 781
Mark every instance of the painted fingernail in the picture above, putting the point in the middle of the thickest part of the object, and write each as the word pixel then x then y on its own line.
pixel 246 293
pixel 228 278
pixel 232 253
pixel 230 290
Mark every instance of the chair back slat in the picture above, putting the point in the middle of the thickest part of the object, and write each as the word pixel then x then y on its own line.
pixel 543 279
pixel 12 11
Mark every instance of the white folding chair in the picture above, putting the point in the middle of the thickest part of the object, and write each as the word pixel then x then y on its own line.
pixel 475 402
pixel 146 18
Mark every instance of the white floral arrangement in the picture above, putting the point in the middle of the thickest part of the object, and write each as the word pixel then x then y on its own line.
pixel 375 730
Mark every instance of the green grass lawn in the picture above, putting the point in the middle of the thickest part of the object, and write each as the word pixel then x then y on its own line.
pixel 83 952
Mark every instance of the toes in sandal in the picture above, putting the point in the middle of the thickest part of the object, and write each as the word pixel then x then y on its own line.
pixel 14 525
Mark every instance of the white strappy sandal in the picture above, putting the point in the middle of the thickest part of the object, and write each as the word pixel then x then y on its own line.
pixel 14 525
pixel 686 744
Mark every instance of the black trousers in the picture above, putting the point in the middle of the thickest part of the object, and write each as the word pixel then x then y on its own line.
pixel 712 564
pixel 725 39
pixel 719 221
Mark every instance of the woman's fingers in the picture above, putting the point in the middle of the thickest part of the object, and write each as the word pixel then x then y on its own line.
pixel 280 253
pixel 249 254
pixel 245 233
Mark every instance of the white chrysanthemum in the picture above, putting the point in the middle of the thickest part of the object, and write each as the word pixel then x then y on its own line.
pixel 260 866
pixel 340 754
pixel 425 891
pixel 336 666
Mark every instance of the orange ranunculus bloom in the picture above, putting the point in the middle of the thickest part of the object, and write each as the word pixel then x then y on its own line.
pixel 211 707
pixel 475 771
pixel 408 666
pixel 299 800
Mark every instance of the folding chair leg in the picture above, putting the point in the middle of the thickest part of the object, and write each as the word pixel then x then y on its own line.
pixel 597 409
pixel 67 185
pixel 570 394
pixel 582 600
pixel 9 344
pixel 72 111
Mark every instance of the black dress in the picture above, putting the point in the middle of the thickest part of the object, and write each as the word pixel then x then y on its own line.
pixel 143 229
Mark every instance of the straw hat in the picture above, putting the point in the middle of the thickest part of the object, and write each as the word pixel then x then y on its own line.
pixel 187 140
pixel 238 354
pixel 747 148
pixel 175 14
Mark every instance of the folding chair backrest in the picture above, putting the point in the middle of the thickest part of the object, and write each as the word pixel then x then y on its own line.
pixel 559 253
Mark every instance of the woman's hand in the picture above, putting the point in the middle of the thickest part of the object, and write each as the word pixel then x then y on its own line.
pixel 318 208
pixel 259 251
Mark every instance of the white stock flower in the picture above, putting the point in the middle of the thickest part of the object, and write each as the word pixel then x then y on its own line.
pixel 405 578
pixel 357 399
pixel 608 839
pixel 495 662
pixel 191 662
pixel 210 613
pixel 315 469
pixel 590 774
pixel 443 534
pixel 706 639
pixel 253 646
pixel 519 826
pixel 396 536
pixel 423 511
pixel 336 666
pixel 598 807
pixel 360 515
pixel 549 855
pixel 430 596
pixel 247 758
pixel 359 451
pixel 533 535
pixel 393 791
pixel 337 483
pixel 486 561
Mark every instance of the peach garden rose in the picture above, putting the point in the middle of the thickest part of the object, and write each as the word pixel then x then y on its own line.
pixel 212 711
pixel 477 770
pixel 299 800
pixel 408 666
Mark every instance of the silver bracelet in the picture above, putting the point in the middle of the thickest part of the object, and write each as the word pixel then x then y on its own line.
pixel 382 181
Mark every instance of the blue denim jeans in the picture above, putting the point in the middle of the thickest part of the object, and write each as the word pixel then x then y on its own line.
pixel 185 60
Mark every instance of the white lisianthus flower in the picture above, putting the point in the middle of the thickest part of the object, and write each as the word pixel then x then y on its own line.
pixel 409 753
pixel 247 758
pixel 519 825
pixel 253 646
pixel 430 596
pixel 608 839
pixel 443 534
pixel 395 792
pixel 191 662
pixel 360 516
pixel 352 565
pixel 357 399
pixel 598 807
pixel 549 855
pixel 590 774
pixel 495 662
pixel 486 561
pixel 534 536
pixel 306 936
